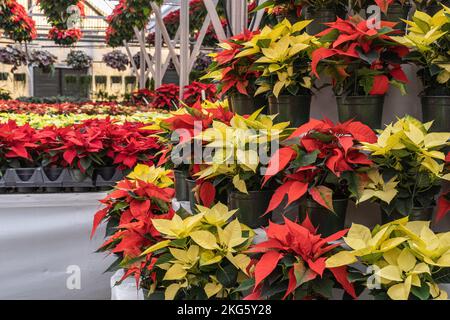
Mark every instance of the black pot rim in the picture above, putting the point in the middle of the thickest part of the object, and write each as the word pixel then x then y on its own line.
pixel 317 205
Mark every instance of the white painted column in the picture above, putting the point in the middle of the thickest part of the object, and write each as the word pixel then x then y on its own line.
pixel 158 57
pixel 184 46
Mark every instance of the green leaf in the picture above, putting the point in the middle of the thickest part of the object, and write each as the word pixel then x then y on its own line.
pixel 227 276
pixel 323 287
pixel 246 285
pixel 423 292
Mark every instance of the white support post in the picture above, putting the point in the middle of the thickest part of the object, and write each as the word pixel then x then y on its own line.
pixel 158 57
pixel 217 24
pixel 258 17
pixel 165 34
pixel 133 64
pixel 184 46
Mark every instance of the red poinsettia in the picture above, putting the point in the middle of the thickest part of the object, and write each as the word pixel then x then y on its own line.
pixel 17 144
pixel 443 204
pixel 237 74
pixel 165 97
pixel 196 92
pixel 324 156
pixel 15 22
pixel 291 264
pixel 360 58
pixel 129 211
pixel 65 36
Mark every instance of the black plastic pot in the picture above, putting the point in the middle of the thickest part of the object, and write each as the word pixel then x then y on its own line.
pixel 437 109
pixel 181 187
pixel 53 173
pixel 157 295
pixel 107 173
pixel 25 174
pixel 251 207
pixel 291 16
pixel 77 181
pixel 417 214
pixel 396 12
pixel 295 109
pixel 52 179
pixel 319 17
pixel 367 109
pixel 245 105
pixel 3 187
pixel 191 185
pixel 24 180
pixel 433 9
pixel 327 221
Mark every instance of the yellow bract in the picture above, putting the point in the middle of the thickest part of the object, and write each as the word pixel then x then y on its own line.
pixel 410 135
pixel 403 252
pixel 201 241
pixel 378 188
pixel 277 50
pixel 234 148
pixel 154 175
pixel 423 33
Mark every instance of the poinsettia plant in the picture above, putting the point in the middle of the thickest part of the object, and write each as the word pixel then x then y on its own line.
pixel 196 92
pixel 178 133
pixel 166 97
pixel 290 264
pixel 321 160
pixel 430 43
pixel 15 22
pixel 202 256
pixel 60 15
pixel 443 203
pixel 237 150
pixel 18 148
pixel 234 74
pixel 129 209
pixel 407 260
pixel 359 58
pixel 127 15
pixel 411 161
pixel 279 7
pixel 283 55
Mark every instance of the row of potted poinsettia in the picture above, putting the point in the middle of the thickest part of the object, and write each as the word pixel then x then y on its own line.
pixel 211 254
pixel 324 11
pixel 281 67
pixel 92 148
pixel 266 169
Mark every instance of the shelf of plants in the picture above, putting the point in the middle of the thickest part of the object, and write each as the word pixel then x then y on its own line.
pixel 244 152
pixel 299 197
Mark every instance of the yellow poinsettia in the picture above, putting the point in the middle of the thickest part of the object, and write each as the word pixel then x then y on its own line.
pixel 279 50
pixel 406 255
pixel 197 247
pixel 408 136
pixel 234 148
pixel 379 189
pixel 155 175
pixel 424 34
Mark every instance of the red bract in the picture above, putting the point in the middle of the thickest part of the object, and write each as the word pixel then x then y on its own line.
pixel 443 203
pixel 295 255
pixel 195 92
pixel 15 21
pixel 237 73
pixel 324 150
pixel 17 144
pixel 165 97
pixel 360 53
pixel 129 211
pixel 97 142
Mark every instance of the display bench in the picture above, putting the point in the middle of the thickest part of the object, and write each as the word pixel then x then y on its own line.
pixel 45 247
